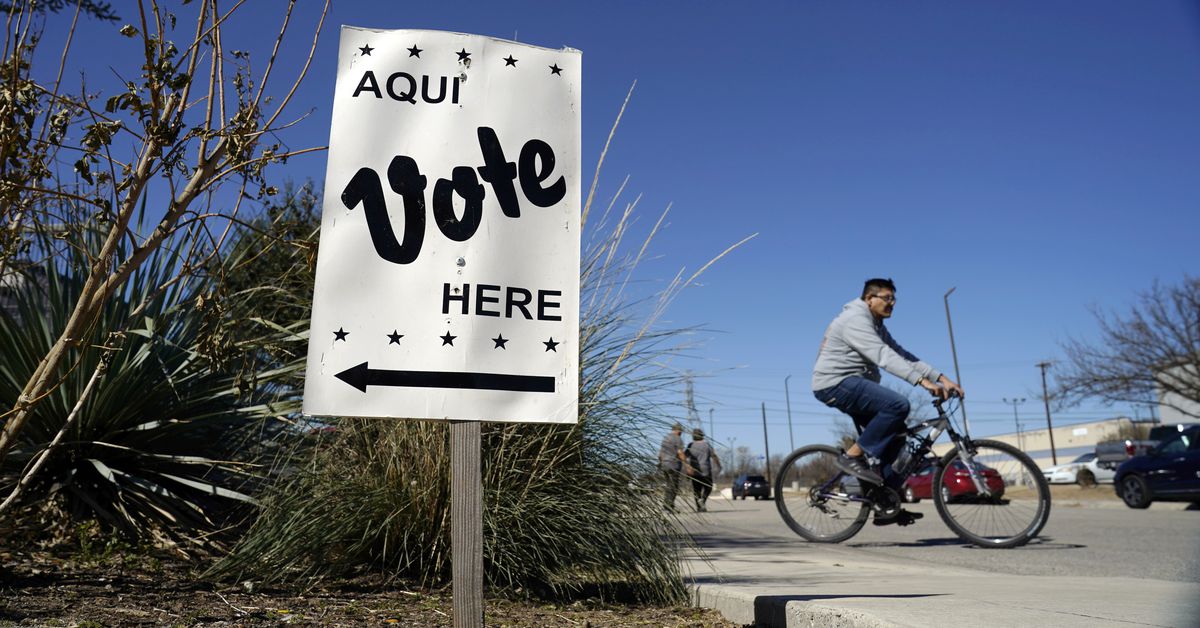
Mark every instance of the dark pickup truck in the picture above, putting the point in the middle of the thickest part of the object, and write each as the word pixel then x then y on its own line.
pixel 1110 454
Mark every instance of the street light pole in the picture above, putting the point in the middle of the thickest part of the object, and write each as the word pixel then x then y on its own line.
pixel 766 444
pixel 1016 422
pixel 962 403
pixel 788 398
pixel 1046 398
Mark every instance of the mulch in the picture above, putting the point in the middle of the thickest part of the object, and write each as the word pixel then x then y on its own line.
pixel 41 587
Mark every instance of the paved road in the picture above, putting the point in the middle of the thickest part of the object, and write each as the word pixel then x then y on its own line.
pixel 1110 540
pixel 1094 566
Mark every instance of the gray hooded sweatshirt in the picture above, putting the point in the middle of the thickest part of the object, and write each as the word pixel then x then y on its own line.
pixel 856 344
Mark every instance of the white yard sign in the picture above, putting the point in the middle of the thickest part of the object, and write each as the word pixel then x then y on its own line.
pixel 447 282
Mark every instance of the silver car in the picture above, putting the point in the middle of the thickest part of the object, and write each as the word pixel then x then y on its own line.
pixel 1070 472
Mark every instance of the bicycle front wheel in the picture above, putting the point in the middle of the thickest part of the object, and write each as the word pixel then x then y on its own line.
pixel 991 494
pixel 817 501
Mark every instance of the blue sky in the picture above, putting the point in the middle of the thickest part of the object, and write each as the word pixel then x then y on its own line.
pixel 1039 156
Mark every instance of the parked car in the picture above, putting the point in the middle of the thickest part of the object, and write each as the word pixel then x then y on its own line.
pixel 1083 470
pixel 751 486
pixel 957 484
pixel 1169 473
pixel 1110 454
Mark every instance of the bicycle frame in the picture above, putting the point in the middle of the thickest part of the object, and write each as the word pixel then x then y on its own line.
pixel 943 424
pixel 932 429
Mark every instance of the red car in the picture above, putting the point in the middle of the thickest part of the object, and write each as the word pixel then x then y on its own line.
pixel 956 484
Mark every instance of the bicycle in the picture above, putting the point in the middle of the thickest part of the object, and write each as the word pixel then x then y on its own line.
pixel 988 492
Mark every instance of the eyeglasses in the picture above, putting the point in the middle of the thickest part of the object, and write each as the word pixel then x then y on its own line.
pixel 891 298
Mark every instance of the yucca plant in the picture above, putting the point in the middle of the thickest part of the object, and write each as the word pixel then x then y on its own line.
pixel 156 443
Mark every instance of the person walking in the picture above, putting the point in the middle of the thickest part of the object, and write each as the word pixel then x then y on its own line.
pixel 705 465
pixel 670 463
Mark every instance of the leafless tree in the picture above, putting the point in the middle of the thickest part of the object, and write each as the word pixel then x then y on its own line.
pixel 75 161
pixel 1153 350
pixel 1126 430
pixel 741 462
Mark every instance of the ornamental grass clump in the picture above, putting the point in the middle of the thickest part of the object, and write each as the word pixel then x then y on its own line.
pixel 567 509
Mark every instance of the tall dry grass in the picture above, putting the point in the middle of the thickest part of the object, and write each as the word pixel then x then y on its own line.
pixel 567 507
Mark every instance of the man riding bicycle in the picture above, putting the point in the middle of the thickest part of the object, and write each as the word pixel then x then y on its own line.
pixel 846 376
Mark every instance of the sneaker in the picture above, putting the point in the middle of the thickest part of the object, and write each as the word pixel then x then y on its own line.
pixel 901 517
pixel 858 467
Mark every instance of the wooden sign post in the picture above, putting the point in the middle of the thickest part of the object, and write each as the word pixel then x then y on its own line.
pixel 466 524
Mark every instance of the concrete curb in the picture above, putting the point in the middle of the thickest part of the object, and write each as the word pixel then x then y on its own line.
pixel 780 611
pixel 736 606
pixel 809 615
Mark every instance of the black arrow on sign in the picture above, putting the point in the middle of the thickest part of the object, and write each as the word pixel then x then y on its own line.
pixel 362 376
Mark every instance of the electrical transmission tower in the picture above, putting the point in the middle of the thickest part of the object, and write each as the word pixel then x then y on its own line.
pixel 693 415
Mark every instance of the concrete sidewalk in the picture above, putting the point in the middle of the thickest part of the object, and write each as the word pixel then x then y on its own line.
pixel 775 581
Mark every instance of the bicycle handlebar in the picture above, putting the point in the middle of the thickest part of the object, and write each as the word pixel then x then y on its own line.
pixel 938 401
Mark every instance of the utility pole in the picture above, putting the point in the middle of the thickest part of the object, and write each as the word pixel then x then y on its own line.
pixel 766 444
pixel 1017 422
pixel 962 403
pixel 788 397
pixel 710 425
pixel 1046 397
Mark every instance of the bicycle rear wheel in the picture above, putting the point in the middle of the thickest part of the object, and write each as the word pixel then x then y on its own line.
pixel 1012 506
pixel 817 501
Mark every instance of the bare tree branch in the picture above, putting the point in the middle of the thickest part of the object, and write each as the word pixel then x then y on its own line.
pixel 1150 354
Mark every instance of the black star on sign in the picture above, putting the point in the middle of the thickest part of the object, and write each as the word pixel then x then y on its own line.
pixel 340 334
pixel 463 55
pixel 366 50
pixel 554 69
pixel 500 341
pixel 414 52
pixel 509 60
pixel 551 345
pixel 394 337
pixel 448 339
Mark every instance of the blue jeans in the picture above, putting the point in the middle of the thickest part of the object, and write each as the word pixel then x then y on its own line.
pixel 878 413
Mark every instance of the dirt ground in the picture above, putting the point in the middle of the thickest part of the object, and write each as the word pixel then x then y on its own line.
pixel 1098 492
pixel 1071 494
pixel 40 589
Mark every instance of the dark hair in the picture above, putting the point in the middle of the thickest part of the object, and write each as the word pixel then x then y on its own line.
pixel 871 286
